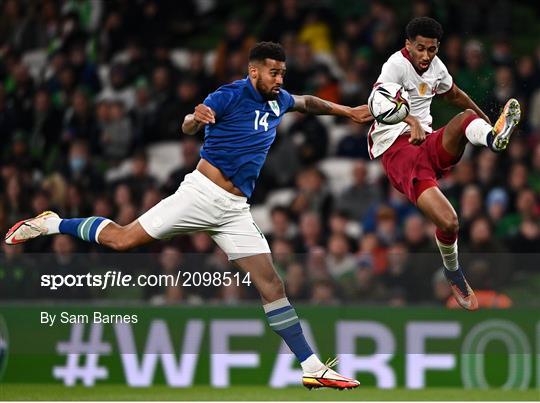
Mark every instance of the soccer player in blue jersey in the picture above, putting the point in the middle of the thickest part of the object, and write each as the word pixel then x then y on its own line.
pixel 240 121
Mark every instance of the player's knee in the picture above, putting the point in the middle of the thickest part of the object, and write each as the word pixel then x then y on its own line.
pixel 450 224
pixel 274 289
pixel 122 243
pixel 468 113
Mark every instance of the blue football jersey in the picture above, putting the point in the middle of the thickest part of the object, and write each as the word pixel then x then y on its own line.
pixel 245 129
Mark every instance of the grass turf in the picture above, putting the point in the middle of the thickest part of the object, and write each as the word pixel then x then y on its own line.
pixel 250 393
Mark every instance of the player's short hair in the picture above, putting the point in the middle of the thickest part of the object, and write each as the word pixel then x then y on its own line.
pixel 267 50
pixel 424 26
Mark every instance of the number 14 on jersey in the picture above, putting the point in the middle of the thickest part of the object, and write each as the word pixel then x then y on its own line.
pixel 262 121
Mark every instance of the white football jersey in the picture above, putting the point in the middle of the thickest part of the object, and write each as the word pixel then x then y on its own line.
pixel 421 88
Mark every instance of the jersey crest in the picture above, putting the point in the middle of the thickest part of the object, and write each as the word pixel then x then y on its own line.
pixel 422 89
pixel 275 107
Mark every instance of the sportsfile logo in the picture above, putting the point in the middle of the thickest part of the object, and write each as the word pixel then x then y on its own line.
pixel 113 278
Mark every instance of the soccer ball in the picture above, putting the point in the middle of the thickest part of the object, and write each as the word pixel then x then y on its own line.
pixel 389 103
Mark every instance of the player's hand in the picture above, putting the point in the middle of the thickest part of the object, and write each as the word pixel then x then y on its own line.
pixel 360 114
pixel 203 114
pixel 418 135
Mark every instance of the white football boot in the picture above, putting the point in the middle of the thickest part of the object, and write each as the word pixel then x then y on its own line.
pixel 326 377
pixel 29 229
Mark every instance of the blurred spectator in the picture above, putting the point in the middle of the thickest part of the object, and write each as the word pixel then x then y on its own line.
pixel 190 158
pixel 453 54
pixel 471 206
pixel 18 279
pixel 170 262
pixel 517 181
pixel 313 194
pixel 487 170
pixel 80 122
pixel 386 225
pixel 339 224
pixel 8 115
pixel 46 126
pixel 118 88
pixel 354 145
pixel 281 17
pixel 362 285
pixel 302 68
pixel 526 208
pixel 483 247
pixel 282 255
pixel 236 41
pixel 339 260
pixel 143 114
pixel 282 227
pixel 497 204
pixel 116 139
pixel 442 292
pixel 310 233
pixel 186 98
pixel 527 239
pixel 80 170
pixel 356 200
pixel 139 179
pixel 323 292
pixel 310 138
pixel 316 32
pixel 296 286
pixel 397 280
pixel 476 79
pixel 534 174
pixel 504 89
pixel 370 248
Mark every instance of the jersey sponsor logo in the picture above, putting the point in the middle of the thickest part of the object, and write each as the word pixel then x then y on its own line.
pixel 275 107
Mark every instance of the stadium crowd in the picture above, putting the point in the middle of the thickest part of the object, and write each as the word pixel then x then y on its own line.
pixel 92 95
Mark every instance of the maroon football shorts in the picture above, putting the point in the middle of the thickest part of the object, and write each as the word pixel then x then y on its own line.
pixel 411 169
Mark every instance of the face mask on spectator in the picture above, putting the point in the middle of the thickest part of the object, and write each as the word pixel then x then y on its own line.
pixel 77 164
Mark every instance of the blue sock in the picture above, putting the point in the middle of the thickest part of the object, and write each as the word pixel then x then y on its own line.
pixel 284 321
pixel 83 228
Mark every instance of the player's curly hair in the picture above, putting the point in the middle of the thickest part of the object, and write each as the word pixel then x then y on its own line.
pixel 267 50
pixel 424 26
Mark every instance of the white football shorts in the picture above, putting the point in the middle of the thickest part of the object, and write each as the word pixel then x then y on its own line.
pixel 201 205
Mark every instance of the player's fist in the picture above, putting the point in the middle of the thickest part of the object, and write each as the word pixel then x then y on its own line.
pixel 361 114
pixel 203 114
pixel 418 135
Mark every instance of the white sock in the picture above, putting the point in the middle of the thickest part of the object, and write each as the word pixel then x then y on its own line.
pixel 312 364
pixel 449 254
pixel 102 225
pixel 477 132
pixel 53 225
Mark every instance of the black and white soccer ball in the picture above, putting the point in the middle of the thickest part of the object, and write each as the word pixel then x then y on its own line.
pixel 389 103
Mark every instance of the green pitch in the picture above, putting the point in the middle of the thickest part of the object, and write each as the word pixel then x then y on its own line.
pixel 249 393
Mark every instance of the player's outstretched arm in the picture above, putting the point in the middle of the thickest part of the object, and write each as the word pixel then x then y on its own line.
pixel 318 106
pixel 202 116
pixel 459 98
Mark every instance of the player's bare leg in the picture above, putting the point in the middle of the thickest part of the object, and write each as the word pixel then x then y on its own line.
pixel 439 210
pixel 454 139
pixel 126 237
pixel 284 321
pixel 92 229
